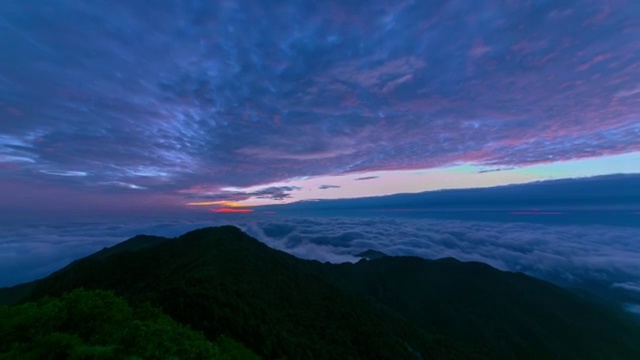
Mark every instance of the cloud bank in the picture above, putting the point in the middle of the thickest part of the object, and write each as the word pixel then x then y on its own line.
pixel 600 258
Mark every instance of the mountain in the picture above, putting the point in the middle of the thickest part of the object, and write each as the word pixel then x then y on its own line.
pixel 13 295
pixel 136 243
pixel 100 325
pixel 221 281
pixel 604 200
pixel 612 191
pixel 509 315
pixel 371 254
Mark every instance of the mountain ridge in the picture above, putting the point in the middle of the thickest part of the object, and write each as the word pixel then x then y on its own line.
pixel 220 280
pixel 585 200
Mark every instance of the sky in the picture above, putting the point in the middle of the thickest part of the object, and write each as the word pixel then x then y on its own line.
pixel 118 107
pixel 120 117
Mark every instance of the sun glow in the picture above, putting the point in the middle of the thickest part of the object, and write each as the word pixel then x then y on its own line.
pixel 231 211
pixel 229 204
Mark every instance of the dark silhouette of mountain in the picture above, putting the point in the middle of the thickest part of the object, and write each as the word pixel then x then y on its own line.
pixel 607 200
pixel 136 243
pixel 223 282
pixel 371 254
pixel 12 295
pixel 607 190
pixel 509 315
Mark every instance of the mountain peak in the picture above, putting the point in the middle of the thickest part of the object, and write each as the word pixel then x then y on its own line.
pixel 220 280
pixel 136 243
pixel 371 254
pixel 225 230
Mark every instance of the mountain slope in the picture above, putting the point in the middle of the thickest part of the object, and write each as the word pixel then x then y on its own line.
pixel 222 281
pixel 99 325
pixel 371 254
pixel 509 314
pixel 136 243
pixel 14 294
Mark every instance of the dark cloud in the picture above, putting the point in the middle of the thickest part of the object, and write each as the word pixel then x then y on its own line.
pixel 325 187
pixel 207 195
pixel 275 193
pixel 116 95
pixel 366 178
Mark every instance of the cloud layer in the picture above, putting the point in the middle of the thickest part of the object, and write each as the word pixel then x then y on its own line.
pixel 600 258
pixel 34 251
pixel 564 254
pixel 118 97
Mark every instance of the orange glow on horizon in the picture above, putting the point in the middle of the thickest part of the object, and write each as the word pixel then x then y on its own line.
pixel 231 204
pixel 231 211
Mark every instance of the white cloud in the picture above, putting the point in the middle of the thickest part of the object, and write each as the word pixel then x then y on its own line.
pixel 568 255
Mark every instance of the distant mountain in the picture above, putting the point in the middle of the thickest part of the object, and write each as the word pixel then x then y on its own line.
pixel 371 254
pixel 607 190
pixel 223 282
pixel 608 200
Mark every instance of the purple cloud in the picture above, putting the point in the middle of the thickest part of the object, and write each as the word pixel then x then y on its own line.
pixel 114 96
pixel 275 193
pixel 212 194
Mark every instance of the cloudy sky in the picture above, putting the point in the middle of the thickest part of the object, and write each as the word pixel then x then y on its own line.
pixel 120 107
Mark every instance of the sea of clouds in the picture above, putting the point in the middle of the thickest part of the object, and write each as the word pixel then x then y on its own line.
pixel 567 255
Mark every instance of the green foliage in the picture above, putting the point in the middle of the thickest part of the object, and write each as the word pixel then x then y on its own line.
pixel 224 283
pixel 234 349
pixel 99 325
